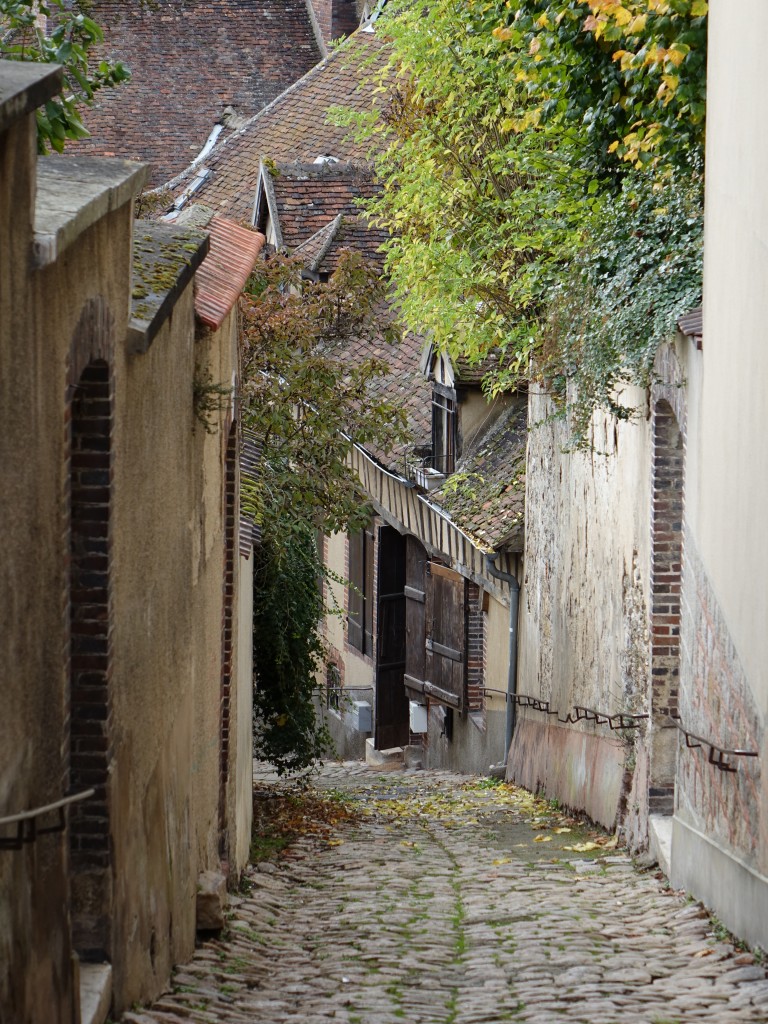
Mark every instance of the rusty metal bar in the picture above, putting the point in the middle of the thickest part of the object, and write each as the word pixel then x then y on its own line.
pixel 26 822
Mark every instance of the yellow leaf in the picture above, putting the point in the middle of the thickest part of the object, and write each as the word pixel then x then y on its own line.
pixel 543 21
pixel 585 847
pixel 613 146
pixel 561 831
pixel 335 842
pixel 502 33
pixel 501 860
pixel 543 839
pixel 637 25
pixel 699 8
pixel 618 55
pixel 621 15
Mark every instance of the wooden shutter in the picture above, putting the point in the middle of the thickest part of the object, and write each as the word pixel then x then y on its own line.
pixel 355 593
pixel 367 588
pixel 415 617
pixel 445 643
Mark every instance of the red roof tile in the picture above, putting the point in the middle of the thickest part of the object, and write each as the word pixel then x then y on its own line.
pixel 294 127
pixel 222 275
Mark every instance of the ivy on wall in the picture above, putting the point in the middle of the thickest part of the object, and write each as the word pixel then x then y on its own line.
pixel 542 172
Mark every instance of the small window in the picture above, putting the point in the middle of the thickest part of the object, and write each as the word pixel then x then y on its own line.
pixel 443 432
pixel 360 591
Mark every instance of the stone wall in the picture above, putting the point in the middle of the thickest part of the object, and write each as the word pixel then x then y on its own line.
pixel 119 587
pixel 584 613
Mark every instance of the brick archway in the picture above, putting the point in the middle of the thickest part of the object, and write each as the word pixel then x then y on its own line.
pixel 90 659
pixel 668 431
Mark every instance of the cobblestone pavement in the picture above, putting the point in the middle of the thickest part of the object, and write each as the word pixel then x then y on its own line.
pixel 447 902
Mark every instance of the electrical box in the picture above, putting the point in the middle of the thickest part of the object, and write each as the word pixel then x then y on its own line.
pixel 417 716
pixel 362 717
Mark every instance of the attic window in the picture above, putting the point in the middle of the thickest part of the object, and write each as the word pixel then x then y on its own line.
pixel 444 430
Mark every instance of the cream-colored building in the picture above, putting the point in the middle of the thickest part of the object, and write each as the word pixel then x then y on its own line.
pixel 126 767
pixel 643 622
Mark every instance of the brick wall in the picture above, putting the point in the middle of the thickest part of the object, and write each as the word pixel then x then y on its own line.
pixel 90 653
pixel 476 649
pixel 717 704
pixel 668 466
pixel 227 626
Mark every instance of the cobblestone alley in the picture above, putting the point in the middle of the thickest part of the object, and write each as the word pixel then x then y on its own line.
pixel 445 900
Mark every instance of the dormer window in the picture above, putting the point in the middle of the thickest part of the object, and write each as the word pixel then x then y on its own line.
pixel 444 429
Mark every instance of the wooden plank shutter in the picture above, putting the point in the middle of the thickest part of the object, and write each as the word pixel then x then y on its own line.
pixel 415 617
pixel 446 632
pixel 355 593
pixel 368 591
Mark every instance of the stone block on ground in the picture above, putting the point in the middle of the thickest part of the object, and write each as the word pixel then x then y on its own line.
pixel 211 901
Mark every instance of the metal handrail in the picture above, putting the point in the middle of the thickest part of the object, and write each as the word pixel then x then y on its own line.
pixel 718 756
pixel 27 829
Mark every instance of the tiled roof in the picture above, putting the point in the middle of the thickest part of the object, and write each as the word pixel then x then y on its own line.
pixel 692 326
pixel 294 127
pixel 308 196
pixel 486 496
pixel 322 250
pixel 226 268
pixel 190 62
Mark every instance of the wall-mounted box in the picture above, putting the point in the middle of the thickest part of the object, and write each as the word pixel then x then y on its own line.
pixel 362 716
pixel 417 716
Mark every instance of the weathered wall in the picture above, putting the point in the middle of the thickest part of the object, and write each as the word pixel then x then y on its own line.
pixel 33 881
pixel 720 846
pixel 356 671
pixel 130 474
pixel 584 608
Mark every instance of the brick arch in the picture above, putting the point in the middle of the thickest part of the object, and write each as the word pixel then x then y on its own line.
pixel 90 656
pixel 668 431
pixel 227 627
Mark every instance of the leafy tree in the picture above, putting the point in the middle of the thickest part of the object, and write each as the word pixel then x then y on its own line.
pixel 308 392
pixel 72 36
pixel 289 651
pixel 309 369
pixel 541 163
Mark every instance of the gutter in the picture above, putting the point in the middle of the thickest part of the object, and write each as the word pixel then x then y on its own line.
pixel 514 604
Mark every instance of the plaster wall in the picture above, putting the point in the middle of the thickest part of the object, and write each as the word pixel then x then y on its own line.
pixel 584 606
pixel 33 880
pixel 356 671
pixel 720 839
pixel 167 556
pixel 477 413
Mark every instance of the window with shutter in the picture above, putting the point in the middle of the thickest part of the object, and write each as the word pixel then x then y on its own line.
pixel 360 590
pixel 444 429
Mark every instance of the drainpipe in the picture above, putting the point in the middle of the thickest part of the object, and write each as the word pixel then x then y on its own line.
pixel 514 604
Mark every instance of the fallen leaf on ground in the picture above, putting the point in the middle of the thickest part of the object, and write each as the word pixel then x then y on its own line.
pixel 543 839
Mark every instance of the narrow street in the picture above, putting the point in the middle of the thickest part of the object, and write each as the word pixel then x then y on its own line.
pixel 448 900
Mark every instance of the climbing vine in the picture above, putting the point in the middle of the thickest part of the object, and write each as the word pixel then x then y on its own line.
pixel 59 32
pixel 541 165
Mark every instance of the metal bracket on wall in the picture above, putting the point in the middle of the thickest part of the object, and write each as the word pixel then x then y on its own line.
pixel 718 756
pixel 27 827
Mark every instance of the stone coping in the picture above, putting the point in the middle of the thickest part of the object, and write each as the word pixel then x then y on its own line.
pixel 73 193
pixel 165 258
pixel 24 86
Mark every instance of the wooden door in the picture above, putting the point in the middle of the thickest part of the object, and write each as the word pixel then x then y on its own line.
pixel 391 725
pixel 445 643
